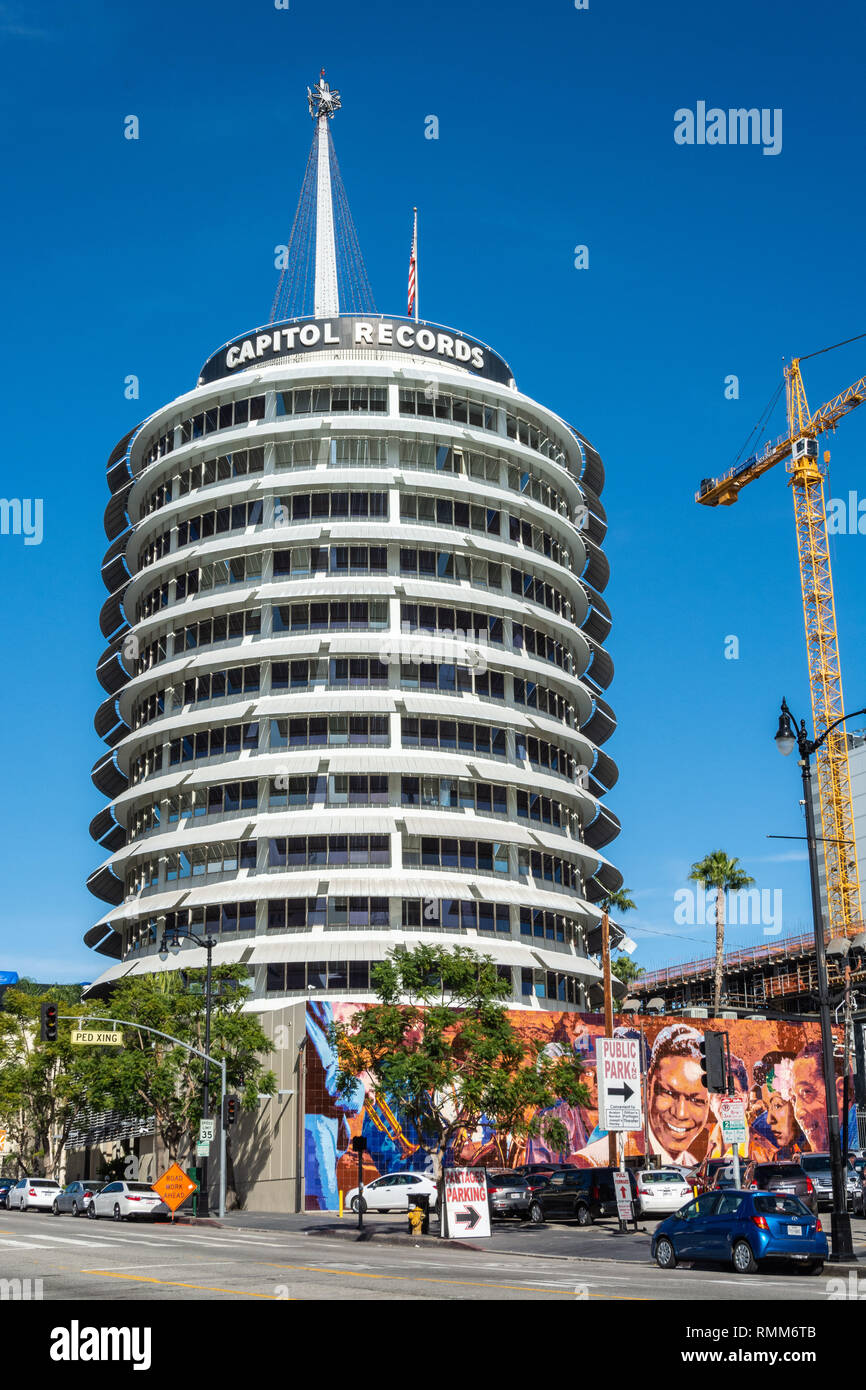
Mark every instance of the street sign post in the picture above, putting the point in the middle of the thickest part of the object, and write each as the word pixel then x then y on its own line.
pixel 622 1186
pixel 174 1187
pixel 96 1037
pixel 732 1114
pixel 467 1212
pixel 620 1092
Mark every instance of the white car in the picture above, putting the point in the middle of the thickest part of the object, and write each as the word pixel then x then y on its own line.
pixel 127 1199
pixel 661 1191
pixel 392 1192
pixel 33 1194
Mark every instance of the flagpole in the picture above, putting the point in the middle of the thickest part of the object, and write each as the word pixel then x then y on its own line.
pixel 415 244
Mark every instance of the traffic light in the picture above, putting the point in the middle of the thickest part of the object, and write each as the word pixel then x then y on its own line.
pixel 713 1070
pixel 230 1110
pixel 49 1023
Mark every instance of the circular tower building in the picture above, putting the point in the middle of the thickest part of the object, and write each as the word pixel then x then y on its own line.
pixel 356 670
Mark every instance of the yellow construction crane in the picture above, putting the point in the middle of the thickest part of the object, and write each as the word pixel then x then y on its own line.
pixel 800 448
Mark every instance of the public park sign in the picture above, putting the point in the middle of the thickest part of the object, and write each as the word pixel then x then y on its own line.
pixel 466 1210
pixel 174 1187
pixel 96 1037
pixel 620 1091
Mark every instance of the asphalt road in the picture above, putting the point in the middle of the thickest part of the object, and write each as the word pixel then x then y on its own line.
pixel 85 1260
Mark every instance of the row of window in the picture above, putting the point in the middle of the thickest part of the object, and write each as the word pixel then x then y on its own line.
pixel 330 559
pixel 299 977
pixel 354 730
pixel 432 404
pixel 343 451
pixel 293 853
pixel 291 914
pixel 332 851
pixel 331 400
pixel 220 521
pixel 486 857
pixel 447 511
pixel 223 415
pixel 292 791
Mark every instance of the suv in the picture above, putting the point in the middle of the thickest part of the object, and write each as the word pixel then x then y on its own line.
pixel 578 1194
pixel 508 1193
pixel 781 1177
pixel 817 1165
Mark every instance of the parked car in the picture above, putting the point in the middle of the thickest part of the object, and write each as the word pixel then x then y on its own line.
pixel 508 1193
pixel 725 1178
pixel 780 1177
pixel 743 1228
pixel 392 1192
pixel 75 1198
pixel 661 1190
pixel 858 1196
pixel 124 1200
pixel 539 1174
pixel 6 1185
pixel 703 1178
pixel 578 1194
pixel 817 1165
pixel 32 1194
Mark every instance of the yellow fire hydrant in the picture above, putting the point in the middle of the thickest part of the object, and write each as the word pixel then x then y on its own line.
pixel 416 1221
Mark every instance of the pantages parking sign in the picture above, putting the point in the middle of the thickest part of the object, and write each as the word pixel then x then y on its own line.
pixel 277 341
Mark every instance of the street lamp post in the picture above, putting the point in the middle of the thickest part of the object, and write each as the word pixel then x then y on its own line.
pixel 789 736
pixel 170 938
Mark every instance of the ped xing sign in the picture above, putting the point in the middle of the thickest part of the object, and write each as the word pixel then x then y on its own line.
pixel 96 1037
pixel 620 1092
pixel 466 1209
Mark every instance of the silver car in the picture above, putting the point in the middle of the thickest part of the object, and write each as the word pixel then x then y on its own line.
pixel 33 1194
pixel 127 1200
pixel 75 1198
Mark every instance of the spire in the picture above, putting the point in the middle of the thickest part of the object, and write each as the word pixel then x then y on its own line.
pixel 323 262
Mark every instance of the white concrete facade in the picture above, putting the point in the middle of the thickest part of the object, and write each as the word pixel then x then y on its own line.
pixel 355 680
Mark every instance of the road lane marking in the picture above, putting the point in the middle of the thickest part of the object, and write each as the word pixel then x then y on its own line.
pixel 428 1279
pixel 179 1284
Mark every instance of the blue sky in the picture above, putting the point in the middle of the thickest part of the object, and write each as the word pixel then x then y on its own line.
pixel 555 130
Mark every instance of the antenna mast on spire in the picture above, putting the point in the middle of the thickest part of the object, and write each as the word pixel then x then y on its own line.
pixel 322 269
pixel 323 103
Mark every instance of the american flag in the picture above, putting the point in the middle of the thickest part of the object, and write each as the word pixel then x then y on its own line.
pixel 413 259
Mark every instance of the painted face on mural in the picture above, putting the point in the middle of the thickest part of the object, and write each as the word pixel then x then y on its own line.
pixel 780 1118
pixel 679 1103
pixel 809 1103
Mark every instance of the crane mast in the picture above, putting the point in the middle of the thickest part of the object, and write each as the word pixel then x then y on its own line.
pixel 800 449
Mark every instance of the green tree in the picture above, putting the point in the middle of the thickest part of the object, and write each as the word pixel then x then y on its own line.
pixel 627 970
pixel 151 1076
pixel 440 1046
pixel 43 1086
pixel 717 870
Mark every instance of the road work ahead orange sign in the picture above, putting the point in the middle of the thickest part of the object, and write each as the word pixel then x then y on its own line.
pixel 174 1187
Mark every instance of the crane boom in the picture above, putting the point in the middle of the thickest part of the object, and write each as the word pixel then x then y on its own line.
pixel 799 448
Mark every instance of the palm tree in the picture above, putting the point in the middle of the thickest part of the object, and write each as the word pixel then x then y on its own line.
pixel 717 871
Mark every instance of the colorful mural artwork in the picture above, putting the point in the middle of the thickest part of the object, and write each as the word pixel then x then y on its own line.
pixel 776 1068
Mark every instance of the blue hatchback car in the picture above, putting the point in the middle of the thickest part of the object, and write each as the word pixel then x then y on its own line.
pixel 743 1228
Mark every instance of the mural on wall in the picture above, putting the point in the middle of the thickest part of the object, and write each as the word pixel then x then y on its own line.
pixel 776 1069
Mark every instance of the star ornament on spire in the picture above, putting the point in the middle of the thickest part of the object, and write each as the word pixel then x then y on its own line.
pixel 322 101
